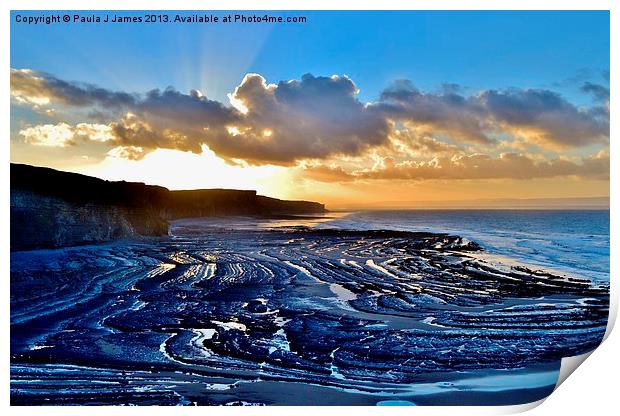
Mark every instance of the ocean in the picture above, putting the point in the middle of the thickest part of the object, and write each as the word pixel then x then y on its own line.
pixel 567 241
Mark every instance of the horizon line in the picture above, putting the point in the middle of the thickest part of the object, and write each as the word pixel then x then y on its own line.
pixel 604 202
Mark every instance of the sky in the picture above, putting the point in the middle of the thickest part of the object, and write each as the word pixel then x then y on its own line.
pixel 353 109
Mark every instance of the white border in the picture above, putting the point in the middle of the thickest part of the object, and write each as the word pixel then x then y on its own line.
pixel 591 391
pixel 311 5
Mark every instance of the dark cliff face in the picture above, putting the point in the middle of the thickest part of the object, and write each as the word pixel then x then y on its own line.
pixel 39 221
pixel 210 202
pixel 50 208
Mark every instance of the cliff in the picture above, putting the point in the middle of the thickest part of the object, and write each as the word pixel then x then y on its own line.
pixel 50 208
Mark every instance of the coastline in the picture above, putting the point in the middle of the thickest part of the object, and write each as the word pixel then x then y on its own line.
pixel 264 304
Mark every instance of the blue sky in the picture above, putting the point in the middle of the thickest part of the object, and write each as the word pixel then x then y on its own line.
pixel 474 49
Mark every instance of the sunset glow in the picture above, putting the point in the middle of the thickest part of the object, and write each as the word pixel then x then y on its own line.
pixel 346 140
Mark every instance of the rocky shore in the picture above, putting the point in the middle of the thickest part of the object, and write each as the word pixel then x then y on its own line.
pixel 292 316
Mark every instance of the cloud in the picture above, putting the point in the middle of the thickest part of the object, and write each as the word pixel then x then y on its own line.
pixel 60 135
pixel 544 116
pixel 39 88
pixel 417 142
pixel 314 118
pixel 127 152
pixel 445 113
pixel 63 134
pixel 540 116
pixel 467 167
pixel 482 166
pixel 599 92
pixel 193 110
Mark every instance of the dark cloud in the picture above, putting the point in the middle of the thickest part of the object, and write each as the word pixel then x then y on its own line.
pixel 541 116
pixel 314 117
pixel 447 112
pixel 599 92
pixel 184 109
pixel 27 83
pixel 545 116
pixel 319 117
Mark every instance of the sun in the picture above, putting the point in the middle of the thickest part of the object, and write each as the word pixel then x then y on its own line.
pixel 176 170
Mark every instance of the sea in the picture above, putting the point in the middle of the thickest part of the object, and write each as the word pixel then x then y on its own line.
pixel 571 242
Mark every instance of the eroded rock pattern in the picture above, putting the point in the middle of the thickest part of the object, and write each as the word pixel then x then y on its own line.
pixel 294 316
